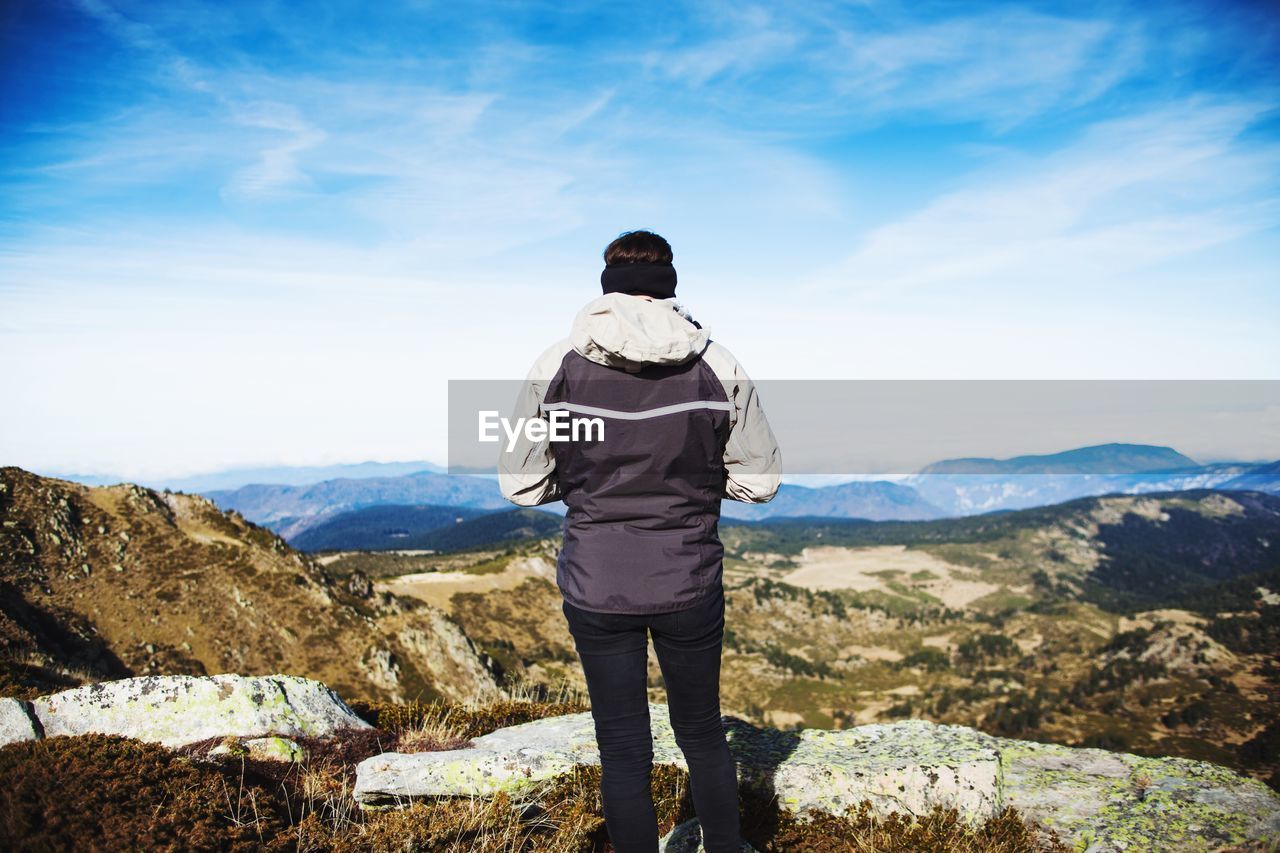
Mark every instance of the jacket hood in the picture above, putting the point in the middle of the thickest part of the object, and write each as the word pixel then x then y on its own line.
pixel 618 330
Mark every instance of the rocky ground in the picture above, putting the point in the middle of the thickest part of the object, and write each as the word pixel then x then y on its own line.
pixel 912 785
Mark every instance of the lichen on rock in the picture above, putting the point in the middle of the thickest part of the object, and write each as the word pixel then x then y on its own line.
pixel 1116 801
pixel 1092 799
pixel 178 710
pixel 16 722
pixel 911 767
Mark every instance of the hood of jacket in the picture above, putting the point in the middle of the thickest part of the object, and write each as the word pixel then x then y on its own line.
pixel 619 330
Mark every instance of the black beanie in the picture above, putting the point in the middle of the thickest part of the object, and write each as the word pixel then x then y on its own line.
pixel 656 280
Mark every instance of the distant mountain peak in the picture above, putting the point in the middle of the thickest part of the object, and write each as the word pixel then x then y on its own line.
pixel 1112 458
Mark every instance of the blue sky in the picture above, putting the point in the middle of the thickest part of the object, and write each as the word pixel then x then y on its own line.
pixel 262 233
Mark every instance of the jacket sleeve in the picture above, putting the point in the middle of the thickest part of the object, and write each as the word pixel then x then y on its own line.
pixel 527 472
pixel 751 455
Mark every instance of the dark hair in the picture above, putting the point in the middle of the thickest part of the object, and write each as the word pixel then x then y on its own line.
pixel 638 247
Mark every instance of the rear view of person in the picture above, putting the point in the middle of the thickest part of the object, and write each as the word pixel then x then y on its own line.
pixel 682 429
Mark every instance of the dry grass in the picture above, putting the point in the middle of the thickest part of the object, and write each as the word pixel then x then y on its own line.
pixel 431 735
pixel 858 830
pixel 98 792
pixel 451 724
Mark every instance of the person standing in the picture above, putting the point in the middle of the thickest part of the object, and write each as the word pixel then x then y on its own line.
pixel 683 428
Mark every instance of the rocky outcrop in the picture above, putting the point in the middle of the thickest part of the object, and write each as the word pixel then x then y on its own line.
pixel 116 581
pixel 179 710
pixel 1094 799
pixel 448 657
pixel 1103 801
pixel 16 722
pixel 892 766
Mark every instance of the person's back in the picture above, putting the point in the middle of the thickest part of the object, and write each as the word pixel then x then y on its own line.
pixel 682 428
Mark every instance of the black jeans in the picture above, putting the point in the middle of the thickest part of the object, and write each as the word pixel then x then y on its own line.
pixel 614 648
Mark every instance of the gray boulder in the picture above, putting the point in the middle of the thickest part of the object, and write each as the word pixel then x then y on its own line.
pixel 177 710
pixel 1112 801
pixel 911 766
pixel 1092 799
pixel 16 722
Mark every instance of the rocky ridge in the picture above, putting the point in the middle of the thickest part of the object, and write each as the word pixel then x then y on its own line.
pixel 115 581
pixel 178 710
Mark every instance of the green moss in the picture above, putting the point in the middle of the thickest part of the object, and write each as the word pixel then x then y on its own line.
pixel 1130 802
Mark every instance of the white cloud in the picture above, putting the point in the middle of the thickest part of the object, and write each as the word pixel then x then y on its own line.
pixel 276 168
pixel 1001 66
pixel 1130 193
pixel 857 66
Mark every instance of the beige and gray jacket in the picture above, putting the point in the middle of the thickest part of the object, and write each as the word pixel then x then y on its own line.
pixel 682 428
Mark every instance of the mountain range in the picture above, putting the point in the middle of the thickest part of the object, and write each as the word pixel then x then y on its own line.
pixel 972 486
pixel 1096 459
pixel 290 510
pixel 1139 622
pixel 873 499
pixel 955 487
pixel 234 478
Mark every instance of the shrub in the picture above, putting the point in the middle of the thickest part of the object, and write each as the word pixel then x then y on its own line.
pixel 774 831
pixel 1133 642
pixel 1195 712
pixel 984 647
pixel 1264 747
pixel 111 793
pixel 932 660
pixel 1113 741
pixel 120 794
pixel 1015 717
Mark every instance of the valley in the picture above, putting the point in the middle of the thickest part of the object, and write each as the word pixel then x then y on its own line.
pixel 1145 623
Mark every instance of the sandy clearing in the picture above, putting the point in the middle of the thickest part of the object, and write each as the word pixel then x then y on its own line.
pixel 782 719
pixel 870 711
pixel 1149 618
pixel 207 536
pixel 860 570
pixel 870 653
pixel 845 568
pixel 958 593
pixel 326 559
pixel 1029 644
pixel 439 588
